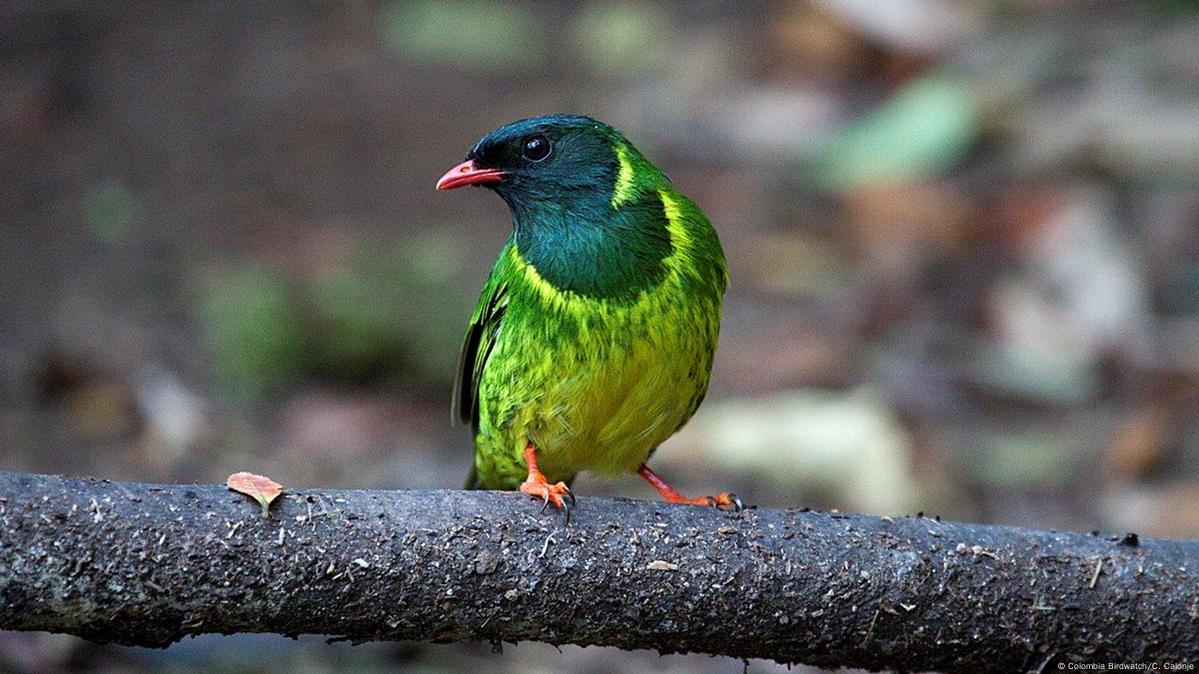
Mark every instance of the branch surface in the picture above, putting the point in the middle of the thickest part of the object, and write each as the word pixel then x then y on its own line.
pixel 149 564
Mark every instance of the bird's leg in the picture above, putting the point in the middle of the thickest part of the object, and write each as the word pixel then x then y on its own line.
pixel 722 500
pixel 536 484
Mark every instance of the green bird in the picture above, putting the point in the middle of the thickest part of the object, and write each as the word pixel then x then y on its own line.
pixel 594 336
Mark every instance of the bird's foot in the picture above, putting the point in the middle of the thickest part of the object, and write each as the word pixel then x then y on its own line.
pixel 723 500
pixel 537 486
pixel 558 494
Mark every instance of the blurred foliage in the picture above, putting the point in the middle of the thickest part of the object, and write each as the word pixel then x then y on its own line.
pixel 1040 458
pixel 374 317
pixel 922 130
pixel 256 333
pixel 112 211
pixel 621 38
pixel 477 35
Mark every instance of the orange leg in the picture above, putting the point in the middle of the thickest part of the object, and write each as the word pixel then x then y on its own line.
pixel 722 500
pixel 536 484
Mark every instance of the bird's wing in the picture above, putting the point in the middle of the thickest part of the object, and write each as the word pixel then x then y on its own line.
pixel 476 347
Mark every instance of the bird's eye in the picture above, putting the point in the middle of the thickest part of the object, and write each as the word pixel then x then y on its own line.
pixel 535 148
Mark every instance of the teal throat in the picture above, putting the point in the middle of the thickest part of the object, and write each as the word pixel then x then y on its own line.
pixel 612 255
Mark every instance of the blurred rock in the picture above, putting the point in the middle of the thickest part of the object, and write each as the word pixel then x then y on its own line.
pixel 849 445
pixel 1034 356
pixel 1082 295
pixel 914 25
pixel 176 417
pixel 1164 510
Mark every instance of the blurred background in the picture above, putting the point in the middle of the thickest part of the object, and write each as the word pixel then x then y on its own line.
pixel 963 238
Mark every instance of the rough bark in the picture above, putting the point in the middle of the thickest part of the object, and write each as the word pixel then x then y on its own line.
pixel 149 564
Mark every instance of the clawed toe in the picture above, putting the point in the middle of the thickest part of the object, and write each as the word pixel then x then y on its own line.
pixel 558 494
pixel 725 500
pixel 538 487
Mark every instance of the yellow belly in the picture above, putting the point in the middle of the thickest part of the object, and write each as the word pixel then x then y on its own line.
pixel 599 394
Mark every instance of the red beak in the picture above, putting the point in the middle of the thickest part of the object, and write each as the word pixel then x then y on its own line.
pixel 467 173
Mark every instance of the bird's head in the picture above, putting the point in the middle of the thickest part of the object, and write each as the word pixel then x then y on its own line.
pixel 586 205
pixel 555 162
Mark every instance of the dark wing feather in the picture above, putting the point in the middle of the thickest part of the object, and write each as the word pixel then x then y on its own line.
pixel 476 347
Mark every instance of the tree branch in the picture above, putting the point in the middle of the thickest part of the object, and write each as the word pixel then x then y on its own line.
pixel 149 564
